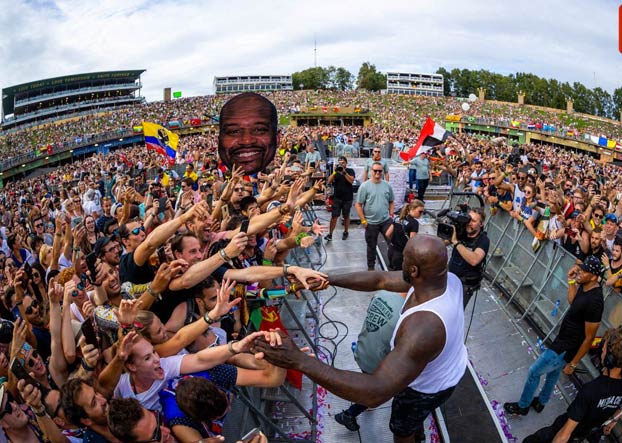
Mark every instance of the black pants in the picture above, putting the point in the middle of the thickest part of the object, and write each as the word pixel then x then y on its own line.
pixel 422 185
pixel 468 289
pixel 410 408
pixel 546 435
pixel 371 238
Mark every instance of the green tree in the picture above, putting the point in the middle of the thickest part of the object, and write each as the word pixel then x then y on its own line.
pixel 343 79
pixel 369 78
pixel 617 103
pixel 447 85
pixel 311 78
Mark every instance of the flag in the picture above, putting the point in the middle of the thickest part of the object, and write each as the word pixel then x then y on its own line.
pixel 266 318
pixel 160 139
pixel 177 94
pixel 432 134
pixel 602 141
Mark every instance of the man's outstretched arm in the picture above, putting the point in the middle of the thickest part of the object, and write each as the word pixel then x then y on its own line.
pixel 420 339
pixel 370 281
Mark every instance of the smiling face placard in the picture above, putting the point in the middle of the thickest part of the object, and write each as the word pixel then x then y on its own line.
pixel 248 132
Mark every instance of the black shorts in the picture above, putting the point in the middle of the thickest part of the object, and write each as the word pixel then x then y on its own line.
pixel 410 408
pixel 341 207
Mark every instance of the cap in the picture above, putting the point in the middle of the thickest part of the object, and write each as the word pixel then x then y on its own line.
pixel 611 217
pixel 574 214
pixel 593 265
pixel 273 204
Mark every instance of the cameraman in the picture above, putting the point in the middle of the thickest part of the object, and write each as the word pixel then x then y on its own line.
pixel 343 194
pixel 469 254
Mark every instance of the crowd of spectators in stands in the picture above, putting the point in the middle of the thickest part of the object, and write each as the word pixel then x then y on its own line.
pixel 395 117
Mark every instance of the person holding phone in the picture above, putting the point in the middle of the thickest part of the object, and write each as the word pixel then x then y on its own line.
pixel 312 157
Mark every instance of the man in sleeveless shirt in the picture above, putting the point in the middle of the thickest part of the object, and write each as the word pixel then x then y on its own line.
pixel 427 358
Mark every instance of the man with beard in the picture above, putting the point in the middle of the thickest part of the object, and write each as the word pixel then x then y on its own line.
pixel 613 267
pixel 469 255
pixel 248 132
pixel 427 358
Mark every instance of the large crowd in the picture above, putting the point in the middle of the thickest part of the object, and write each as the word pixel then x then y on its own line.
pixel 117 270
pixel 395 116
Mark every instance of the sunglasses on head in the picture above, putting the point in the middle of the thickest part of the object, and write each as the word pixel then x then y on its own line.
pixel 30 309
pixel 8 407
pixel 157 433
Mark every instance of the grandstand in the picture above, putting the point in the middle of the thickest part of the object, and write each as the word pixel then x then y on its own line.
pixel 252 83
pixel 41 100
pixel 416 84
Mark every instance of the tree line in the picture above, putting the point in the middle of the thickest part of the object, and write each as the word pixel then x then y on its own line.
pixel 550 93
pixel 539 91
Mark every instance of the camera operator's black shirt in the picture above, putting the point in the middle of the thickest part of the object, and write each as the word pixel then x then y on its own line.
pixel 595 403
pixel 459 265
pixel 343 188
pixel 587 307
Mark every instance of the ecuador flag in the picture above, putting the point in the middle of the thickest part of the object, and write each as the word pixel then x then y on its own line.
pixel 160 139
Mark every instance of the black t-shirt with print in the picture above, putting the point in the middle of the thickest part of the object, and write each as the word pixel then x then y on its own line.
pixel 595 403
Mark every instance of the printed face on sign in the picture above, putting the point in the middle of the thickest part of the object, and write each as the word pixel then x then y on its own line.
pixel 248 132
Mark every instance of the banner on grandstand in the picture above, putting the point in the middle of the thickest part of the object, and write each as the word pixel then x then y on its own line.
pixel 160 139
pixel 432 134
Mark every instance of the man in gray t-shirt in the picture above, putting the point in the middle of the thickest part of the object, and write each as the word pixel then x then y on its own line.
pixel 375 206
pixel 376 156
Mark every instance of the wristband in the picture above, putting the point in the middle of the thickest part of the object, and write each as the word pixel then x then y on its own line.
pixel 572 282
pixel 224 256
pixel 233 351
pixel 286 269
pixel 363 222
pixel 153 293
pixel 210 321
pixel 572 365
pixel 300 236
pixel 85 366
pixel 41 412
pixel 267 262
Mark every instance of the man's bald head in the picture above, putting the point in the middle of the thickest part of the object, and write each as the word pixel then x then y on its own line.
pixel 425 256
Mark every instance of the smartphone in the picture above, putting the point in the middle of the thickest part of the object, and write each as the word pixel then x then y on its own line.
pixel 75 222
pixel 88 330
pixel 162 254
pixel 251 434
pixel 312 164
pixel 225 212
pixel 244 225
pixel 162 206
pixel 90 264
pixel 21 373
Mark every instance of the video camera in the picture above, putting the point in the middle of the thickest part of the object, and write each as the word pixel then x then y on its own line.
pixel 457 219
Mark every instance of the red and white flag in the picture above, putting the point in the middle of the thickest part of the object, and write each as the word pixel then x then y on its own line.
pixel 432 134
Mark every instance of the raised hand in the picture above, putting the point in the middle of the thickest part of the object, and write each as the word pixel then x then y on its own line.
pixel 223 305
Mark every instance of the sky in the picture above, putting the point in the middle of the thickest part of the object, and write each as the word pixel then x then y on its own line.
pixel 183 44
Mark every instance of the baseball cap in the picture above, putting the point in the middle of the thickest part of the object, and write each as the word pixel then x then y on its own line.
pixel 592 265
pixel 611 217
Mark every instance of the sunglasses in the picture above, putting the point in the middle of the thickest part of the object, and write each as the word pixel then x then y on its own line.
pixel 377 170
pixel 30 309
pixel 8 407
pixel 32 361
pixel 376 152
pixel 38 225
pixel 598 215
pixel 238 189
pixel 522 177
pixel 135 231
pixel 157 433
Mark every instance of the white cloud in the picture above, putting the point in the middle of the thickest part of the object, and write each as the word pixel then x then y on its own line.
pixel 184 44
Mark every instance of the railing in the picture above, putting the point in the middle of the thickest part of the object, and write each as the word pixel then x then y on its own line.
pixel 536 283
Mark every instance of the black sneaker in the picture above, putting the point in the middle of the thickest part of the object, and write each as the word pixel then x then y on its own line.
pixel 535 403
pixel 514 409
pixel 329 237
pixel 344 418
pixel 345 235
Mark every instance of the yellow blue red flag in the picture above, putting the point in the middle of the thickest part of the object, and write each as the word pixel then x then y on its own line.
pixel 160 139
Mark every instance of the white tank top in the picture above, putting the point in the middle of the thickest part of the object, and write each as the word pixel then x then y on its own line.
pixel 446 370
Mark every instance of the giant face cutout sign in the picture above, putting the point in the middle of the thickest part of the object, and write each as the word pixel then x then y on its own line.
pixel 248 132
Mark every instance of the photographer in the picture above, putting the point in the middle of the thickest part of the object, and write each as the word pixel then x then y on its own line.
pixel 343 194
pixel 469 254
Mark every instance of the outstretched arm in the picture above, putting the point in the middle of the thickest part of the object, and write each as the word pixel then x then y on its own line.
pixel 420 339
pixel 370 281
